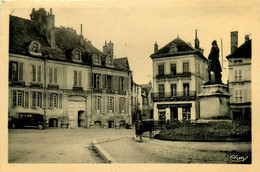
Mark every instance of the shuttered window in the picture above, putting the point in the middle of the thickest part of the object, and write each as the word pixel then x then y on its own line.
pixel 26 99
pixel 122 105
pixel 44 100
pixel 14 98
pixel 20 71
pixel 38 99
pixel 173 69
pixel 60 101
pixel 98 107
pixel 55 75
pixel 186 67
pixel 75 78
pixel 80 78
pixel 111 104
pixel 161 69
pixel 19 98
pixel 50 75
pixel 33 98
pixel 39 73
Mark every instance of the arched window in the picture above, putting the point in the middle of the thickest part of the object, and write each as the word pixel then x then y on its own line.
pixel 76 54
pixel 35 48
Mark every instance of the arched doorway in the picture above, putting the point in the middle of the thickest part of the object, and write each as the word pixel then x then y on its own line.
pixel 80 118
pixel 53 122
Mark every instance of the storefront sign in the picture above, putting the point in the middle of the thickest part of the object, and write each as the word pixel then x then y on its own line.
pixel 164 106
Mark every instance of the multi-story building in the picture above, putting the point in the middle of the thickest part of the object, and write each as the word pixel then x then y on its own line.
pixel 147 101
pixel 179 71
pixel 239 62
pixel 54 72
pixel 136 100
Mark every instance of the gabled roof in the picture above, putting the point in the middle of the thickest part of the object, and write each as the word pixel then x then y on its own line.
pixel 122 63
pixel 183 49
pixel 244 51
pixel 146 87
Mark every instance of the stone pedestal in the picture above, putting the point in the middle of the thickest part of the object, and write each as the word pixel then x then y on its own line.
pixel 214 102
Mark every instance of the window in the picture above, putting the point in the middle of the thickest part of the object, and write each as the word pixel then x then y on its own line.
pixel 53 99
pixel 199 68
pixel 121 83
pixel 36 73
pixel 186 89
pixel 109 82
pixel 53 75
pixel 78 78
pixel 96 80
pixel 96 59
pixel 122 105
pixel 77 55
pixel 34 47
pixel 161 69
pixel 15 71
pixel 98 104
pixel 238 74
pixel 186 113
pixel 161 90
pixel 173 90
pixel 39 100
pixel 111 104
pixel 19 98
pixel 238 61
pixel 239 96
pixel 186 67
pixel 173 69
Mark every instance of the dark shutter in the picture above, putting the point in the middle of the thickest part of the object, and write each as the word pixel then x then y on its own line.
pixel 14 98
pixel 33 73
pixel 60 101
pixel 20 71
pixel 55 75
pixel 108 104
pixel 50 75
pixel 33 98
pixel 39 74
pixel 104 81
pixel 80 78
pixel 10 70
pixel 44 100
pixel 75 78
pixel 26 99
pixel 51 100
pixel 120 105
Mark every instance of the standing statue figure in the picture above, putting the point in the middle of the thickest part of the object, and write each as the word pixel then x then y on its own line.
pixel 214 64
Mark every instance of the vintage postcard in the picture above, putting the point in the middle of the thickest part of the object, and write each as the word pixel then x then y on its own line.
pixel 129 86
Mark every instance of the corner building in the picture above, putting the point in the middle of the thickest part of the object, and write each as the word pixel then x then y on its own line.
pixel 179 71
pixel 52 69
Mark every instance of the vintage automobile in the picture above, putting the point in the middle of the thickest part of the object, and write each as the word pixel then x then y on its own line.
pixel 25 120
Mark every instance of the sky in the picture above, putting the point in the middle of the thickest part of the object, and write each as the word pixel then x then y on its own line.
pixel 134 28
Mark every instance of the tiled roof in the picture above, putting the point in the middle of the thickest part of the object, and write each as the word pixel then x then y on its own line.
pixel 182 46
pixel 244 51
pixel 122 63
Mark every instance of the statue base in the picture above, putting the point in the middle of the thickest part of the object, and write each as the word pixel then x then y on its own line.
pixel 214 102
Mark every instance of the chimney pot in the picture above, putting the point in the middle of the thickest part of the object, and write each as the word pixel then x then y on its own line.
pixel 234 41
pixel 155 47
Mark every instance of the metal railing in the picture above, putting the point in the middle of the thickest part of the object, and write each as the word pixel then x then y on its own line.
pixel 173 95
pixel 173 75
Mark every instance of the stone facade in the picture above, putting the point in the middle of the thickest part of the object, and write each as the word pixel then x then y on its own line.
pixel 51 72
pixel 239 62
pixel 179 71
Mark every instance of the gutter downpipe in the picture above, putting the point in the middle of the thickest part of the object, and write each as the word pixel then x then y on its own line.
pixel 44 87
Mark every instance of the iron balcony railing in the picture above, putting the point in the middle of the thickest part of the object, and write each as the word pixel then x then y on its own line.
pixel 174 95
pixel 173 75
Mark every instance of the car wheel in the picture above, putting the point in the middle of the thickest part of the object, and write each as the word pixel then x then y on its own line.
pixel 13 126
pixel 40 126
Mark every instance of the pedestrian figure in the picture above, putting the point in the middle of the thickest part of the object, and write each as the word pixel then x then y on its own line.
pixel 139 130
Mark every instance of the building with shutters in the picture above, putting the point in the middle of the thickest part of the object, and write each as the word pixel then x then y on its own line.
pixel 136 101
pixel 179 71
pixel 239 62
pixel 55 72
pixel 147 103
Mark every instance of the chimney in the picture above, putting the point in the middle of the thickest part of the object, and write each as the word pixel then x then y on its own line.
pixel 155 47
pixel 196 41
pixel 234 41
pixel 50 32
pixel 110 48
pixel 39 17
pixel 80 29
pixel 105 48
pixel 247 38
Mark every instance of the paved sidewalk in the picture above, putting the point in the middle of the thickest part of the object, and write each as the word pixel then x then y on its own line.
pixel 127 150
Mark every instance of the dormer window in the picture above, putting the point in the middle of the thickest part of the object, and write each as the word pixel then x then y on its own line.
pixel 109 60
pixel 173 48
pixel 96 59
pixel 35 48
pixel 76 55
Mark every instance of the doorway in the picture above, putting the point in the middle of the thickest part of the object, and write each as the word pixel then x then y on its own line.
pixel 80 118
pixel 174 113
pixel 53 122
pixel 110 124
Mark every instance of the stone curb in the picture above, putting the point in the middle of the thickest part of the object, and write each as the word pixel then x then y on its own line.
pixel 103 153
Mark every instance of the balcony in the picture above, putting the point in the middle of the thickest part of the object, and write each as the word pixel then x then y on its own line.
pixel 110 91
pixel 179 96
pixel 36 85
pixel 77 89
pixel 18 84
pixel 53 87
pixel 173 75
pixel 122 92
pixel 97 90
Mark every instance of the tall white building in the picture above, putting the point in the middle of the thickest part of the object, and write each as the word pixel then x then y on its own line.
pixel 179 71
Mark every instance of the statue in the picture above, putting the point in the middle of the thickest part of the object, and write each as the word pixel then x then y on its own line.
pixel 214 64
